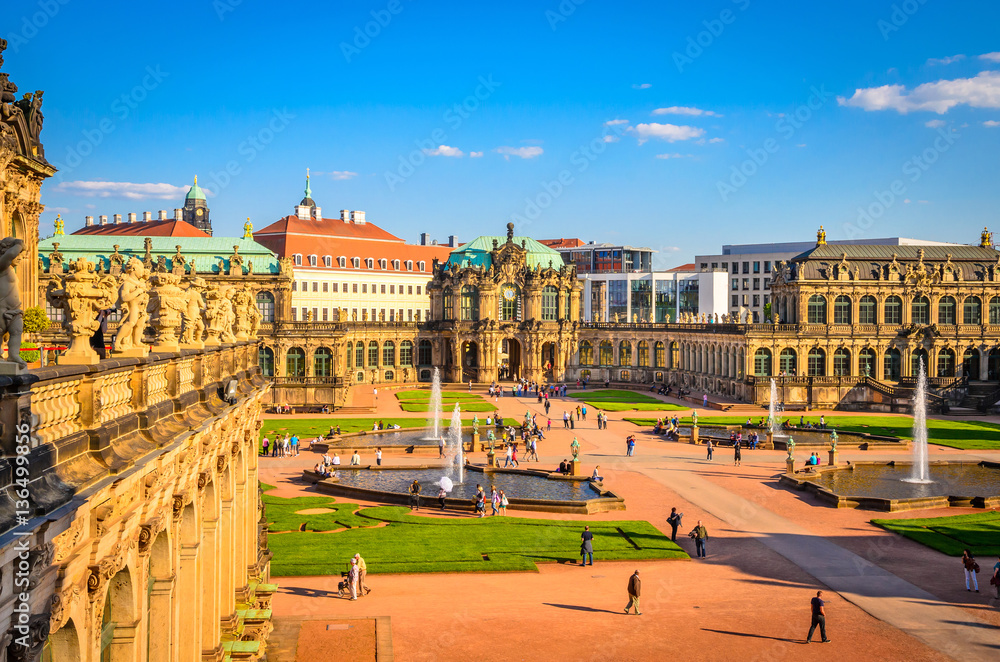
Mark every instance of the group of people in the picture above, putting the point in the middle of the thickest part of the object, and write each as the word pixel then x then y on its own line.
pixel 382 425
pixel 813 460
pixel 286 446
pixel 667 427
pixel 356 575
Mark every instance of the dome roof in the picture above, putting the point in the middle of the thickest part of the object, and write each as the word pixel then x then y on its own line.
pixel 195 192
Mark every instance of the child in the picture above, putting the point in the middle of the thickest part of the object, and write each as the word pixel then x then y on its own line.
pixel 548 428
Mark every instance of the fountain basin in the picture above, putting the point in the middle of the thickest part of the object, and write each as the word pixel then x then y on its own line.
pixel 804 439
pixel 883 486
pixel 525 489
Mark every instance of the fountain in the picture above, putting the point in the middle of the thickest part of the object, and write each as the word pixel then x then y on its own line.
pixel 921 464
pixel 434 407
pixel 455 439
pixel 773 422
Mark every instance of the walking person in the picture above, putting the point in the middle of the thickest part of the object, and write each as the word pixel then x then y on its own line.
pixel 675 523
pixel 586 546
pixel 378 456
pixel 352 579
pixel 996 577
pixel 494 500
pixel 818 618
pixel 362 573
pixel 709 447
pixel 414 495
pixel 442 494
pixel 633 593
pixel 441 448
pixel 503 503
pixel 265 442
pixel 971 568
pixel 737 452
pixel 700 535
pixel 480 501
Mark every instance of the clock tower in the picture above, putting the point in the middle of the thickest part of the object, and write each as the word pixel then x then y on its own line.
pixel 196 210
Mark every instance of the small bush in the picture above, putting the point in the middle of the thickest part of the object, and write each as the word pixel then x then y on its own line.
pixel 30 352
pixel 35 320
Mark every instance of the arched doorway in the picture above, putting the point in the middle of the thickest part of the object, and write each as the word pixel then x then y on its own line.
pixel 470 361
pixel 549 359
pixel 970 364
pixel 509 361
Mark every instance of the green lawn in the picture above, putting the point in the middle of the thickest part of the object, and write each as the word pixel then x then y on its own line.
pixel 309 428
pixel 419 401
pixel 968 435
pixel 979 532
pixel 619 400
pixel 411 543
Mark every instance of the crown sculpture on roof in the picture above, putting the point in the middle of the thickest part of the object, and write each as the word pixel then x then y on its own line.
pixel 986 239
pixel 248 229
pixel 821 237
pixel 60 226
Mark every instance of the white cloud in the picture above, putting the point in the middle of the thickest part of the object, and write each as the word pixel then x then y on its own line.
pixel 641 86
pixel 685 110
pixel 924 202
pixel 475 155
pixel 990 57
pixel 951 59
pixel 991 123
pixel 906 201
pixel 712 141
pixel 343 174
pixel 611 139
pixel 127 190
pixel 801 145
pixel 615 122
pixel 520 152
pixel 669 132
pixel 982 91
pixel 444 150
pixel 934 124
pixel 675 155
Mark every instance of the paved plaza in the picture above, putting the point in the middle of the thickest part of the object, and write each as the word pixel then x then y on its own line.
pixel 769 551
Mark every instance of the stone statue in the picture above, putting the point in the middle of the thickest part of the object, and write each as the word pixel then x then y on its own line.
pixel 694 419
pixel 147 259
pixel 82 296
pixel 161 264
pixel 191 270
pixel 11 315
pixel 575 448
pixel 55 260
pixel 667 318
pixel 475 424
pixel 133 298
pixel 249 267
pixel 235 262
pixel 192 316
pixel 248 229
pixel 791 448
pixel 116 261
pixel 245 306
pixel 833 440
pixel 716 318
pixel 167 305
pixel 867 370
pixel 177 262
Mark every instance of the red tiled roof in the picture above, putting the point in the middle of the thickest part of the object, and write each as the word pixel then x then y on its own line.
pixel 562 243
pixel 684 267
pixel 337 247
pixel 275 235
pixel 170 228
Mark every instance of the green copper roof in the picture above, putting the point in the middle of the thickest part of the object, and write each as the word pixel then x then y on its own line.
pixel 205 251
pixel 477 253
pixel 195 193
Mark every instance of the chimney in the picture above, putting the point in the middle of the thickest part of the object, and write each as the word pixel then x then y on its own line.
pixel 118 219
pixel 147 216
pixel 178 214
pixel 103 219
pixel 317 213
pixel 358 217
pixel 163 215
pixel 90 221
pixel 452 240
pixel 131 217
pixel 423 238
pixel 345 215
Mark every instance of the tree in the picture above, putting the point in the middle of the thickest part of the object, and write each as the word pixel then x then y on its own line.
pixel 767 312
pixel 35 320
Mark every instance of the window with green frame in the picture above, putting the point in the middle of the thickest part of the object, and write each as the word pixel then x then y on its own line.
pixel 470 304
pixel 816 309
pixel 372 353
pixel 295 362
pixel 449 304
pixel 550 303
pixel 323 362
pixel 510 303
pixel 606 353
pixel 624 353
pixel 787 362
pixel 406 353
pixel 586 353
pixel 350 355
pixel 817 362
pixel 388 353
pixel 762 362
pixel 359 355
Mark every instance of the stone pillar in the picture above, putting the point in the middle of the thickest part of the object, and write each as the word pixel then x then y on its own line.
pixel 694 434
pixel 574 467
pixel 162 633
pixel 833 457
pixel 208 587
pixel 227 589
pixel 790 466
pixel 984 363
pixel 189 621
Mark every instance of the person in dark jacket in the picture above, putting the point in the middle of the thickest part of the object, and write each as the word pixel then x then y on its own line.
pixel 633 593
pixel 675 522
pixel 586 546
pixel 700 535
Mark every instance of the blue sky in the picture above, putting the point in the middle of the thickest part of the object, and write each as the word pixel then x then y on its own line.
pixel 679 126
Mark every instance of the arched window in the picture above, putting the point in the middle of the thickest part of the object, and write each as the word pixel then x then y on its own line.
pixel 995 310
pixel 510 303
pixel 972 311
pixel 406 353
pixel 409 265
pixel 643 352
pixel 327 261
pixel 842 310
pixel 893 310
pixel 866 362
pixel 606 353
pixel 787 361
pixel 395 265
pixel 323 362
pixel 817 362
pixel 970 363
pixel 297 259
pixel 816 309
pixel 841 362
pixel 312 261
pixel 946 363
pixel 624 353
pixel 586 353
pixel 762 362
pixel 550 303
pixel 675 355
pixel 892 364
pixel 388 353
pixel 920 310
pixel 946 310
pixel 470 303
pixel 917 359
pixel 448 299
pixel 350 355
pixel 266 360
pixel 369 263
pixel 356 262
pixel 383 263
pixel 359 355
pixel 424 352
pixel 372 353
pixel 265 305
pixel 421 266
pixel 342 261
pixel 659 355
pixel 867 308
pixel 295 362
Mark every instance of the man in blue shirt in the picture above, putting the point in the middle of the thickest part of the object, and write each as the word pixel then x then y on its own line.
pixel 818 618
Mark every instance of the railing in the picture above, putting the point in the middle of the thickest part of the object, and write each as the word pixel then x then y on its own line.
pixel 308 381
